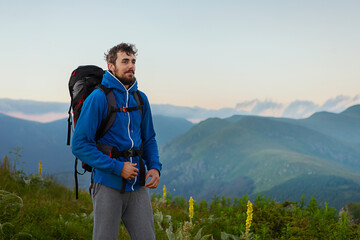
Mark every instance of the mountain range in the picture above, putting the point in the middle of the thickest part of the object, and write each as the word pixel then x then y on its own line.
pixel 282 158
pixel 49 111
pixel 46 142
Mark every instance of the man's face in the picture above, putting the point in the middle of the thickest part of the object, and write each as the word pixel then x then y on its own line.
pixel 124 68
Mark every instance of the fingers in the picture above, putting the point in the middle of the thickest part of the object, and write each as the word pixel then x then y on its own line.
pixel 132 164
pixel 153 183
pixel 129 171
pixel 147 176
pixel 132 176
pixel 133 173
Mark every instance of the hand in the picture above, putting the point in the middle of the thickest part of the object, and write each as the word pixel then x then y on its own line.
pixel 155 178
pixel 129 171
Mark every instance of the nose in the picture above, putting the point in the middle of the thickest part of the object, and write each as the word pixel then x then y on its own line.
pixel 132 66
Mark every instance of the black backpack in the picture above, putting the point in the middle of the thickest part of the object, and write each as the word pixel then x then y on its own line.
pixel 83 81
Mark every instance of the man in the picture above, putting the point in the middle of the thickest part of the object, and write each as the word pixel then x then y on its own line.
pixel 116 189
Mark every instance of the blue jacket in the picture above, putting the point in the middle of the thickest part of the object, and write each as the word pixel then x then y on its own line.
pixel 124 134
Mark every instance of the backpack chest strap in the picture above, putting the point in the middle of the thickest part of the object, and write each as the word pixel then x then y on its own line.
pixel 113 152
pixel 127 109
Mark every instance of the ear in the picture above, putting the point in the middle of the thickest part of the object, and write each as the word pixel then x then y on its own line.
pixel 111 67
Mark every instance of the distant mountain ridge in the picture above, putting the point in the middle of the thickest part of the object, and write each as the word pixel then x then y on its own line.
pixel 31 107
pixel 26 109
pixel 336 125
pixel 251 154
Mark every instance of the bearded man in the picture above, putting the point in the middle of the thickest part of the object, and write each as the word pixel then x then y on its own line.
pixel 118 189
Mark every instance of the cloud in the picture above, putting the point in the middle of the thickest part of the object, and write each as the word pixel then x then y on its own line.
pixel 246 106
pixel 266 107
pixel 49 111
pixel 296 109
pixel 262 108
pixel 339 103
pixel 44 118
pixel 300 109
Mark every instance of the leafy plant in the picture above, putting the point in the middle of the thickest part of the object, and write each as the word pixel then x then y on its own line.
pixel 36 207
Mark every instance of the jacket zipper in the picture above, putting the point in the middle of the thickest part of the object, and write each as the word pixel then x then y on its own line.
pixel 127 105
pixel 132 142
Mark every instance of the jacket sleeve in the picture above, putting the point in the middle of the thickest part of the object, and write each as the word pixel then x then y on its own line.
pixel 93 112
pixel 151 152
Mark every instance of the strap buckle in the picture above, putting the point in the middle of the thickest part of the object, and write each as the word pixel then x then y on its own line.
pixel 128 153
pixel 123 109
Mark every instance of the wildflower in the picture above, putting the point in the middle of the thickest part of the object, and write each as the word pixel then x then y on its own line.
pixel 164 191
pixel 191 208
pixel 249 214
pixel 40 167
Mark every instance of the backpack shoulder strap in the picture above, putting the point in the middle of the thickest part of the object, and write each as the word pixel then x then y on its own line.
pixel 111 113
pixel 139 101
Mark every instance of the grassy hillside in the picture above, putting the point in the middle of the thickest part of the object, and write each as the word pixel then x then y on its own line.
pixel 35 207
pixel 46 142
pixel 254 154
pixel 167 128
pixel 344 126
pixel 335 190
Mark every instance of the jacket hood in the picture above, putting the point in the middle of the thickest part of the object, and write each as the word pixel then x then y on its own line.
pixel 110 81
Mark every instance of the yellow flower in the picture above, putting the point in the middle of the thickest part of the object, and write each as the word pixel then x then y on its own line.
pixel 164 191
pixel 249 214
pixel 191 208
pixel 40 167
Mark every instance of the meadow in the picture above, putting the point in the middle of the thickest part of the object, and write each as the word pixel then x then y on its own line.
pixel 36 207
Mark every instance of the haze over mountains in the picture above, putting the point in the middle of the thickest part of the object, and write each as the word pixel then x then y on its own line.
pixel 49 111
pixel 281 157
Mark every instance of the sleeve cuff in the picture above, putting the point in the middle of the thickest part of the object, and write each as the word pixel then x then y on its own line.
pixel 118 167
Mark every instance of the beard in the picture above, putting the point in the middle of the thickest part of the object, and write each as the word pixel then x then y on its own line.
pixel 126 81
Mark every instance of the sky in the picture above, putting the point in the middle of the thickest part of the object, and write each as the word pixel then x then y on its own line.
pixel 211 54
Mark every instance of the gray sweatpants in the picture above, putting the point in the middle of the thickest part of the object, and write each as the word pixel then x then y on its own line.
pixel 134 208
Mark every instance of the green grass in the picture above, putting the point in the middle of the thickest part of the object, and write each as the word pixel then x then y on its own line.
pixel 48 211
pixel 36 207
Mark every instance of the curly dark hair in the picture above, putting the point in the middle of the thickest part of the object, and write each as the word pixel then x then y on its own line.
pixel 111 55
